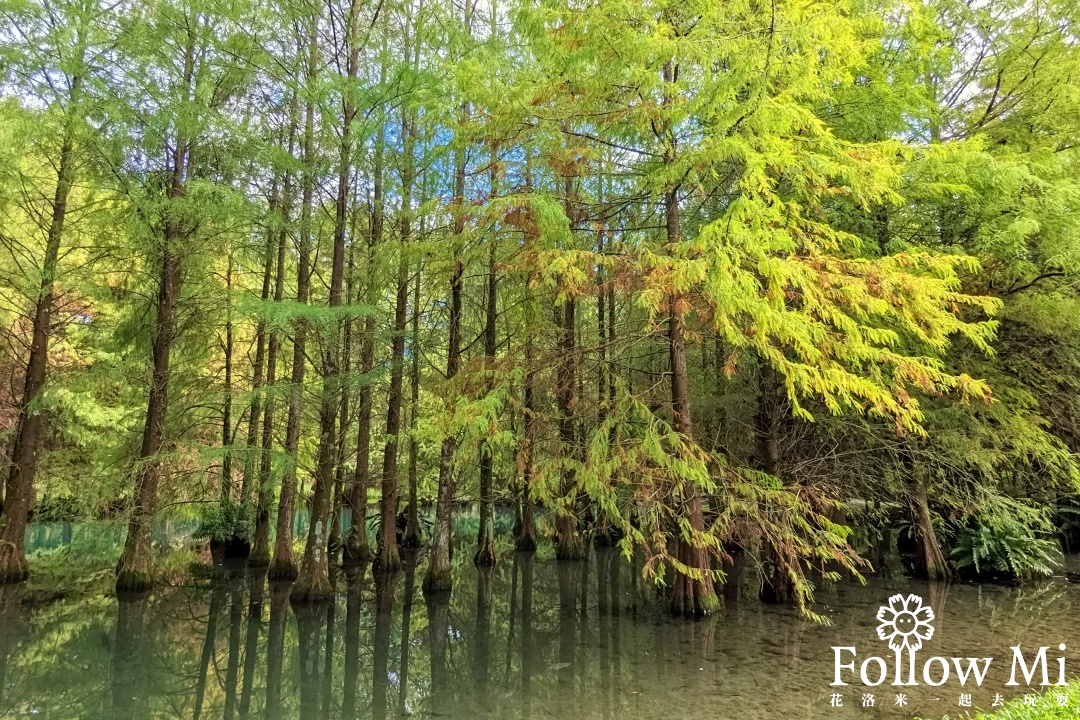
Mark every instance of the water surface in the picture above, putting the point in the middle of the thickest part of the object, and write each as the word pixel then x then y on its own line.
pixel 530 638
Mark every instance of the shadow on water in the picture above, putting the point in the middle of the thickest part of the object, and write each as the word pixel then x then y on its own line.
pixel 527 639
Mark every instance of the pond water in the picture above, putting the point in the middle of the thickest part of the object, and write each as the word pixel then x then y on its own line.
pixel 531 638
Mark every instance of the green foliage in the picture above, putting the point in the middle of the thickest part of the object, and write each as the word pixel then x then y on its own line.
pixel 226 521
pixel 863 219
pixel 1009 551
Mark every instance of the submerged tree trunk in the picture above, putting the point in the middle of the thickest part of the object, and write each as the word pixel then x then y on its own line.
pixel 692 592
pixel 412 518
pixel 255 407
pixel 260 549
pixel 438 578
pixel 568 542
pixel 283 564
pixel 24 454
pixel 485 541
pixel 526 529
pixel 387 556
pixel 526 537
pixel 313 582
pixel 357 547
pixel 226 410
pixel 777 585
pixel 134 571
pixel 929 558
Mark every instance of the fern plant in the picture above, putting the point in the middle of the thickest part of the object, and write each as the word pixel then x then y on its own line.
pixel 1009 549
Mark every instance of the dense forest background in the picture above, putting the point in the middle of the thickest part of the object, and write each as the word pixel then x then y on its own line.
pixel 695 277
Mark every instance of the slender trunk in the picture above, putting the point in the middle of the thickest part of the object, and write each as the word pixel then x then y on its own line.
pixel 283 564
pixel 603 536
pixel 313 582
pixel 255 408
pixel 692 592
pixel 412 537
pixel 438 574
pixel 929 559
pixel 776 586
pixel 260 551
pixel 526 539
pixel 134 571
pixel 526 531
pixel 568 542
pixel 485 541
pixel 24 454
pixel 387 556
pixel 357 547
pixel 226 412
pixel 412 519
pixel 333 544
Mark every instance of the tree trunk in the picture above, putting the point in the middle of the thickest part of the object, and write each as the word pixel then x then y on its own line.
pixel 24 454
pixel 255 408
pixel 333 544
pixel 776 586
pixel 387 556
pixel 526 539
pixel 226 411
pixel 313 583
pixel 929 558
pixel 568 542
pixel 526 530
pixel 134 571
pixel 693 594
pixel 357 547
pixel 412 537
pixel 485 541
pixel 283 564
pixel 260 550
pixel 438 578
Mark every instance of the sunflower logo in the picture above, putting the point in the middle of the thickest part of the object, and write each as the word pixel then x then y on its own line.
pixel 905 622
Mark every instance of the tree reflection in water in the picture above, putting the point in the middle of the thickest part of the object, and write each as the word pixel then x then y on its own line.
pixel 529 638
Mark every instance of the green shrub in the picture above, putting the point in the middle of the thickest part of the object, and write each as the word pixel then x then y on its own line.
pixel 1011 550
pixel 225 521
